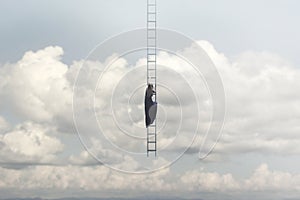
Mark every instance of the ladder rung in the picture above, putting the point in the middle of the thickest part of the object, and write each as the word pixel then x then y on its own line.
pixel 151 13
pixel 151 61
pixel 152 21
pixel 151 126
pixel 151 4
pixel 152 142
pixel 151 37
pixel 151 149
pixel 150 132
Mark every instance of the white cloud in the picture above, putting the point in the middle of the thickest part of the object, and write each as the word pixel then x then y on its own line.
pixel 29 143
pixel 123 123
pixel 261 180
pixel 209 181
pixel 264 179
pixel 263 116
pixel 35 88
pixel 262 105
pixel 263 112
pixel 101 179
pixel 85 158
pixel 97 178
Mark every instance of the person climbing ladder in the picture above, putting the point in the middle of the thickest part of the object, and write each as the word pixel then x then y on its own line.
pixel 150 106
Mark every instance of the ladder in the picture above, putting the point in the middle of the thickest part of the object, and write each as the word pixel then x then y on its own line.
pixel 151 69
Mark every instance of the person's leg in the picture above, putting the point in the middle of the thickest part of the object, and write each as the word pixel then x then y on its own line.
pixel 152 112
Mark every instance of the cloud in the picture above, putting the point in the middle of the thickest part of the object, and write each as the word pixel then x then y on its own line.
pixel 263 112
pixel 262 105
pixel 85 158
pixel 261 180
pixel 35 88
pixel 209 181
pixel 28 144
pixel 264 179
pixel 113 108
pixel 262 116
pixel 96 178
pixel 100 180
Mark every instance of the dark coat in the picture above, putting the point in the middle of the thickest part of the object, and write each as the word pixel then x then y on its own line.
pixel 150 107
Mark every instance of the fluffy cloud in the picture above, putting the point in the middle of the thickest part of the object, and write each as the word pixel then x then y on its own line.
pixel 35 88
pixel 205 181
pixel 264 179
pixel 262 105
pixel 113 108
pixel 28 144
pixel 97 178
pixel 263 112
pixel 85 158
pixel 100 179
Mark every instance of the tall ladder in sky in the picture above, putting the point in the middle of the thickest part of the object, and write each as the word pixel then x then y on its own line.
pixel 151 69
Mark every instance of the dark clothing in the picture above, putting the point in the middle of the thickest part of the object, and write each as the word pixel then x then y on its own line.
pixel 150 107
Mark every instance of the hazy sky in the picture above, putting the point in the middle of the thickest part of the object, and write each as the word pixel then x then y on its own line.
pixel 232 26
pixel 254 45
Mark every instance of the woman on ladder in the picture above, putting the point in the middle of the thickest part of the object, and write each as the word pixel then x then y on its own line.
pixel 150 106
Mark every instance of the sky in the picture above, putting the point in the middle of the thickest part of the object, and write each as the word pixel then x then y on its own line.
pixel 71 104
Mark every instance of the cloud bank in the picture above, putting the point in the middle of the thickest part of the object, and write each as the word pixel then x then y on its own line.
pixel 263 116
